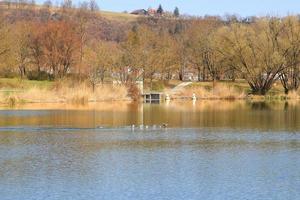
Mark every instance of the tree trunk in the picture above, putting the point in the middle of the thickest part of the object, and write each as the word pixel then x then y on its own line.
pixel 22 71
pixel 181 73
pixel 199 74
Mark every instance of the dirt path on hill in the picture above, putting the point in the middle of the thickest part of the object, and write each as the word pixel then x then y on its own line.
pixel 179 87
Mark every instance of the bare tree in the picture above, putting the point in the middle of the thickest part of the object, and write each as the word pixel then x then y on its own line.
pixel 48 4
pixel 93 5
pixel 290 77
pixel 256 51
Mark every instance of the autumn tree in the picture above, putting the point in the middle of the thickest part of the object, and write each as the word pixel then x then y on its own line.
pixel 102 58
pixel 4 42
pixel 165 56
pixel 149 45
pixel 35 47
pixel 59 43
pixel 290 76
pixel 93 6
pixel 8 3
pixel 256 51
pixel 82 18
pixel 132 56
pixel 203 53
pixel 67 5
pixel 182 43
pixel 4 47
pixel 19 55
pixel 48 4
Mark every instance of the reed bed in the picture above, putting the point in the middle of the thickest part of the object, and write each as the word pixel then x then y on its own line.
pixel 218 92
pixel 59 93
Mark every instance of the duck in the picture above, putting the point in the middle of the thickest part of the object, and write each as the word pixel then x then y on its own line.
pixel 164 125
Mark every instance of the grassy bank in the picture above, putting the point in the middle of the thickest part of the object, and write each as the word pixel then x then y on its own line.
pixel 233 90
pixel 226 90
pixel 16 91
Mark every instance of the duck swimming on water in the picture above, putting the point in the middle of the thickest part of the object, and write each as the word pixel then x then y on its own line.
pixel 164 126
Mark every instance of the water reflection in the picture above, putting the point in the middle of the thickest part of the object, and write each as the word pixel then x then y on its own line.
pixel 218 114
pixel 260 106
pixel 211 150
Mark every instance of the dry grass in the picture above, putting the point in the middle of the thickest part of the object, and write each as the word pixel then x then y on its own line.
pixel 110 92
pixel 64 92
pixel 218 92
pixel 294 95
pixel 117 16
pixel 123 106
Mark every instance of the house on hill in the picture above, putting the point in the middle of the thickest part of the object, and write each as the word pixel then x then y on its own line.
pixel 139 12
pixel 152 12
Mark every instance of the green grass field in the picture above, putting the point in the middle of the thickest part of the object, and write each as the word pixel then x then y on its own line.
pixel 19 84
pixel 122 17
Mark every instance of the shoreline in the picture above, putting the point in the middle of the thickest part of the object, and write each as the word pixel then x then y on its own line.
pixel 130 101
pixel 70 92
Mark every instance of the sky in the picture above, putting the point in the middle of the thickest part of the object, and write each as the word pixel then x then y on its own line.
pixel 242 8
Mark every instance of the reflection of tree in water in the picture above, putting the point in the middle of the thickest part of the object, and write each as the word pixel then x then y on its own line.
pixel 291 105
pixel 286 106
pixel 260 106
pixel 291 114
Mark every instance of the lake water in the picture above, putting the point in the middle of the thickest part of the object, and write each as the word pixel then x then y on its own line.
pixel 210 150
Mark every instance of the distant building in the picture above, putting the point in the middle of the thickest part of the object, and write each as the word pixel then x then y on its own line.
pixel 152 12
pixel 139 12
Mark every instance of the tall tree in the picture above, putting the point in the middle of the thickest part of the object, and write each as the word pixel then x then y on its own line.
pixel 5 47
pixel 102 57
pixel 35 47
pixel 93 5
pixel 48 4
pixel 256 51
pixel 290 77
pixel 160 10
pixel 176 12
pixel 20 48
pixel 67 4
pixel 3 36
pixel 59 41
pixel 82 18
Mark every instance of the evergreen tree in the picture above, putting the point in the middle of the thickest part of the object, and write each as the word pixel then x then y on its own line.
pixel 176 12
pixel 160 10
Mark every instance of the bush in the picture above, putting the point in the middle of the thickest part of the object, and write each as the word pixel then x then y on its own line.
pixel 134 92
pixel 39 76
pixel 11 100
pixel 5 73
pixel 158 86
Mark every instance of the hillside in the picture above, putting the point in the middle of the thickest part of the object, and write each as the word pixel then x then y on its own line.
pixel 122 17
pixel 109 15
pixel 100 24
pixel 84 44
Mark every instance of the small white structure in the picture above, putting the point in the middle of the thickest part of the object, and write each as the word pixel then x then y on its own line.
pixel 167 97
pixel 140 85
pixel 194 98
